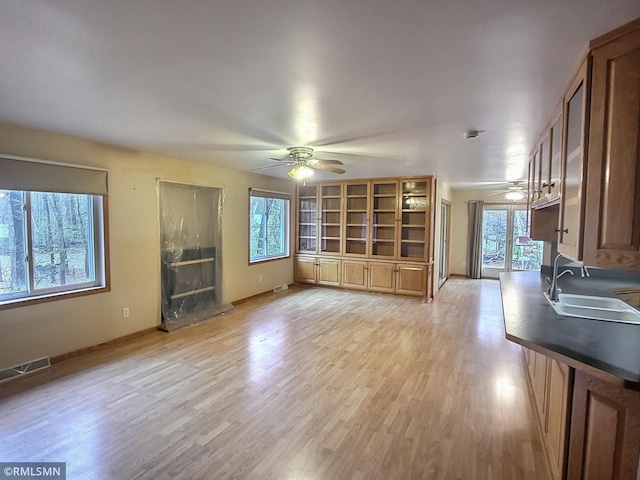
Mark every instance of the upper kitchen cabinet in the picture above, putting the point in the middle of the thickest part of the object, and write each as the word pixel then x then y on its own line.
pixel 612 225
pixel 597 219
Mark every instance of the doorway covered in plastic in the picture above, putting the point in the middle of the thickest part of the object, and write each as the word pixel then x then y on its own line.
pixel 191 253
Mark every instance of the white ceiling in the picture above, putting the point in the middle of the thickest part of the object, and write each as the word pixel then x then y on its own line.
pixel 386 87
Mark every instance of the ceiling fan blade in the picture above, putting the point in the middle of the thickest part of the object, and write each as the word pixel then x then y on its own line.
pixel 271 166
pixel 320 166
pixel 326 162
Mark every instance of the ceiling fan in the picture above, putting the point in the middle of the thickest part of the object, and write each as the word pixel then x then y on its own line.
pixel 303 164
pixel 515 191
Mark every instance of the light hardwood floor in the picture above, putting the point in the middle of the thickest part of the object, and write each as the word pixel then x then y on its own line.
pixel 311 383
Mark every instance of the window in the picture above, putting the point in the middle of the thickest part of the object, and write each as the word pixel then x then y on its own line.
pixel 51 242
pixel 268 225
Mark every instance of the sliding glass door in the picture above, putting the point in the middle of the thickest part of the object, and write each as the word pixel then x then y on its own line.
pixel 506 245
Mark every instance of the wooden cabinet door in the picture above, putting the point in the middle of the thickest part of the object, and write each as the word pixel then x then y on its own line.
pixel 354 274
pixel 411 279
pixel 305 269
pixel 612 228
pixel 382 277
pixel 328 271
pixel 539 384
pixel 558 391
pixel 605 431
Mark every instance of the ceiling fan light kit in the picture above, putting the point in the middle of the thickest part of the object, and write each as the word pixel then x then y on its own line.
pixel 514 195
pixel 301 172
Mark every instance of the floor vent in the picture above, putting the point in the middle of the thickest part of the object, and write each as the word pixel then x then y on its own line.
pixel 29 367
pixel 280 288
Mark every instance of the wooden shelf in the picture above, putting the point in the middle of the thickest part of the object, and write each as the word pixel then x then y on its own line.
pixel 191 262
pixel 192 292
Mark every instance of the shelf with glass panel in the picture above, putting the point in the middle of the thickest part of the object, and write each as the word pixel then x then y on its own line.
pixel 330 218
pixel 355 224
pixel 414 220
pixel 384 215
pixel 307 218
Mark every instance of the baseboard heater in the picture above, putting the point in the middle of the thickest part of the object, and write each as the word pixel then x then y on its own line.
pixel 29 367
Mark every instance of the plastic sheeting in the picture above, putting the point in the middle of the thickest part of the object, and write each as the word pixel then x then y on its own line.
pixel 191 249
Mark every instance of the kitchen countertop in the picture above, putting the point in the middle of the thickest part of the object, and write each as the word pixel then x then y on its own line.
pixel 591 345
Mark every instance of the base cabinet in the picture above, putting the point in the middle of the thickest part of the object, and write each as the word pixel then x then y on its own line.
pixel 605 431
pixel 317 270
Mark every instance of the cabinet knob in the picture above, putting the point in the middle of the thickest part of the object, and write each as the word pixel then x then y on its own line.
pixel 558 230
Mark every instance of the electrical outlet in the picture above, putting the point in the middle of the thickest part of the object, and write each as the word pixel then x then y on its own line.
pixel 259 278
pixel 125 312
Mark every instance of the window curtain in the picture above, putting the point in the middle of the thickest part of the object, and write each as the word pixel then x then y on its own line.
pixel 474 238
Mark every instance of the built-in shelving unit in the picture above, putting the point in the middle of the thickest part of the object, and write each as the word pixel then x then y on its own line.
pixel 372 234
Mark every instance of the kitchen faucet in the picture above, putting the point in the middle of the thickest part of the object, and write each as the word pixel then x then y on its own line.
pixel 553 289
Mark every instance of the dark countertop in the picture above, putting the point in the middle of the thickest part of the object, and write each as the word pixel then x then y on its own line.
pixel 590 345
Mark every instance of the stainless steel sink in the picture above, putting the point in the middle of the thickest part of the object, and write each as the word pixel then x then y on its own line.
pixel 595 308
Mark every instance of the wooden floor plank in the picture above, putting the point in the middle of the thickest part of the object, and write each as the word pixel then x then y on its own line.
pixel 308 383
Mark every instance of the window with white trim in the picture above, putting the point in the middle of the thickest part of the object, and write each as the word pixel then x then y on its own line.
pixel 268 225
pixel 52 243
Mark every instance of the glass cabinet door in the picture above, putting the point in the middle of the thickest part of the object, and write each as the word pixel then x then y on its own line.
pixel 413 229
pixel 572 195
pixel 556 161
pixel 307 218
pixel 356 197
pixel 330 210
pixel 384 218
pixel 545 168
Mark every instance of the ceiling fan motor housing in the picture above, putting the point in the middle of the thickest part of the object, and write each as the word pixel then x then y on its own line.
pixel 300 154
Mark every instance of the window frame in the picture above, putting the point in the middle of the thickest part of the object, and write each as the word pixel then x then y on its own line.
pixel 286 225
pixel 100 234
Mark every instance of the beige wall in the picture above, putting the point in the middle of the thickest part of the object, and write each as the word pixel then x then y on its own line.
pixel 65 325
